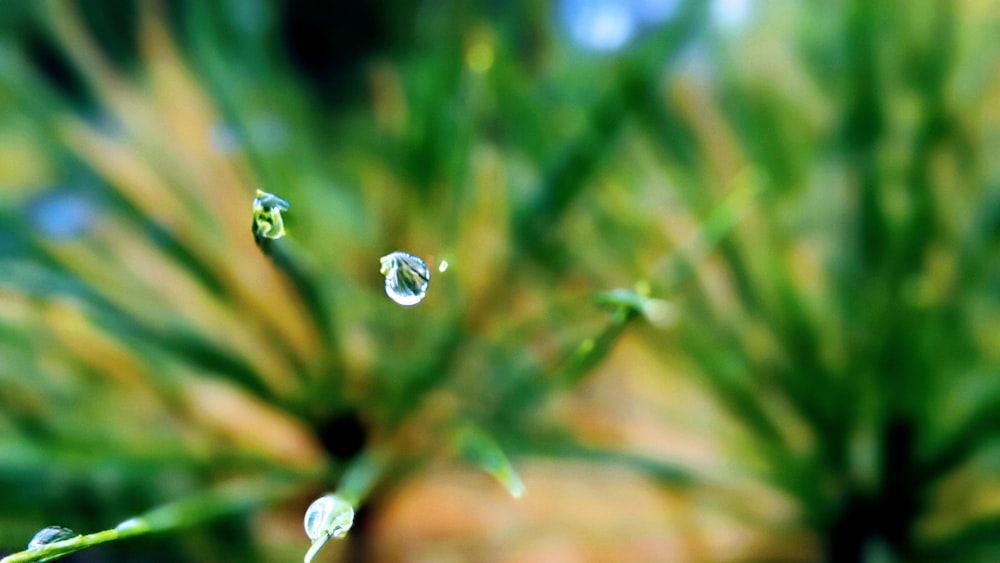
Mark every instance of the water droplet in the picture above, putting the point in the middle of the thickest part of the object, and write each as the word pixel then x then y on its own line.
pixel 328 515
pixel 443 266
pixel 267 223
pixel 131 525
pixel 406 278
pixel 50 534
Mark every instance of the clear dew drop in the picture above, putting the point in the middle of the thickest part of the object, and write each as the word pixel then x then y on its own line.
pixel 50 534
pixel 406 278
pixel 329 516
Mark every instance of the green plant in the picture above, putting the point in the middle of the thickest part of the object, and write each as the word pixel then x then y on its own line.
pixel 805 212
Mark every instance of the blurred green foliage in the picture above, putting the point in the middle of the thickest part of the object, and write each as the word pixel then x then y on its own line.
pixel 799 211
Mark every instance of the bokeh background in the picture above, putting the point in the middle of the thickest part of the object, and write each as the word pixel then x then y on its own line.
pixel 724 277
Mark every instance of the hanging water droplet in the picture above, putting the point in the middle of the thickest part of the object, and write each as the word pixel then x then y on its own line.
pixel 267 222
pixel 50 534
pixel 406 278
pixel 328 515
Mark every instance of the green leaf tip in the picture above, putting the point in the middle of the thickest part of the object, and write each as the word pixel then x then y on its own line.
pixel 54 542
pixel 637 301
pixel 267 221
pixel 478 448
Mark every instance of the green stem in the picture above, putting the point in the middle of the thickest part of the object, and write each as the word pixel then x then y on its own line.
pixel 227 499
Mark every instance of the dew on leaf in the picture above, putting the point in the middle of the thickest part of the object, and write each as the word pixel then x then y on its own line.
pixel 50 534
pixel 327 517
pixel 406 278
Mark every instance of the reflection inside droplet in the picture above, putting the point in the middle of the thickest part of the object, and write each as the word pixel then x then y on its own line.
pixel 50 534
pixel 406 278
pixel 328 515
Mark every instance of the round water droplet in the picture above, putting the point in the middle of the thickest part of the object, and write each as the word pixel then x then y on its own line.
pixel 406 278
pixel 50 534
pixel 267 222
pixel 329 515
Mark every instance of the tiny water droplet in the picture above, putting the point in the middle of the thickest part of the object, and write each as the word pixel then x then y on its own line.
pixel 329 515
pixel 131 525
pixel 50 534
pixel 267 222
pixel 443 266
pixel 406 278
